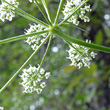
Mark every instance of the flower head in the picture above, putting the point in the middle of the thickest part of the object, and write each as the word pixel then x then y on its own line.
pixel 35 41
pixel 7 11
pixel 80 55
pixel 32 79
pixel 70 7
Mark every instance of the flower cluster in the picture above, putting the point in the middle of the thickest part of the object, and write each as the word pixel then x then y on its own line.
pixel 6 11
pixel 32 79
pixel 35 41
pixel 70 7
pixel 1 108
pixel 80 55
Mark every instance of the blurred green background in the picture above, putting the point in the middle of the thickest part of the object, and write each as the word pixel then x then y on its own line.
pixel 68 88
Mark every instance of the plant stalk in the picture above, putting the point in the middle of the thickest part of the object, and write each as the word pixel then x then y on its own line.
pixel 80 42
pixel 58 12
pixel 42 11
pixel 22 37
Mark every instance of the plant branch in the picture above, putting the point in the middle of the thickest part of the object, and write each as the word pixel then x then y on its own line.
pixel 45 54
pixel 70 44
pixel 80 42
pixel 42 11
pixel 46 9
pixel 74 26
pixel 22 37
pixel 58 11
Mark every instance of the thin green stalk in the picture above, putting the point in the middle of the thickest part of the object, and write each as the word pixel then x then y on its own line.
pixel 73 47
pixel 74 26
pixel 80 42
pixel 75 10
pixel 42 11
pixel 21 37
pixel 58 11
pixel 14 76
pixel 29 16
pixel 45 54
pixel 46 9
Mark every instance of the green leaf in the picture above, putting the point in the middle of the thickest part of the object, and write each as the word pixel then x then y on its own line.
pixel 91 95
pixel 91 70
pixel 75 82
pixel 69 69
pixel 91 80
pixel 99 37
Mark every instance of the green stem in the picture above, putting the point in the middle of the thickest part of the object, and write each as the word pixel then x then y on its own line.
pixel 42 11
pixel 32 18
pixel 74 26
pixel 46 9
pixel 73 47
pixel 14 76
pixel 58 11
pixel 76 41
pixel 29 18
pixel 22 37
pixel 75 10
pixel 44 55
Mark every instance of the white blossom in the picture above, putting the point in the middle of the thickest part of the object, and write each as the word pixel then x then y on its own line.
pixel 43 84
pixel 32 79
pixel 35 41
pixel 7 11
pixel 39 90
pixel 1 108
pixel 69 8
pixel 80 55
pixel 33 1
pixel 47 75
pixel 93 54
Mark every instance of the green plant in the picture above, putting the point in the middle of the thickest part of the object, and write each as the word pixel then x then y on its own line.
pixel 46 31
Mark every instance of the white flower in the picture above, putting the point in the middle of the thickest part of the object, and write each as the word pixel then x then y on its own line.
pixel 47 75
pixel 33 1
pixel 7 11
pixel 32 79
pixel 79 65
pixel 34 47
pixel 76 2
pixel 39 90
pixel 93 54
pixel 80 55
pixel 70 6
pixel 35 41
pixel 42 71
pixel 43 84
pixel 87 8
pixel 1 108
pixel 39 78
